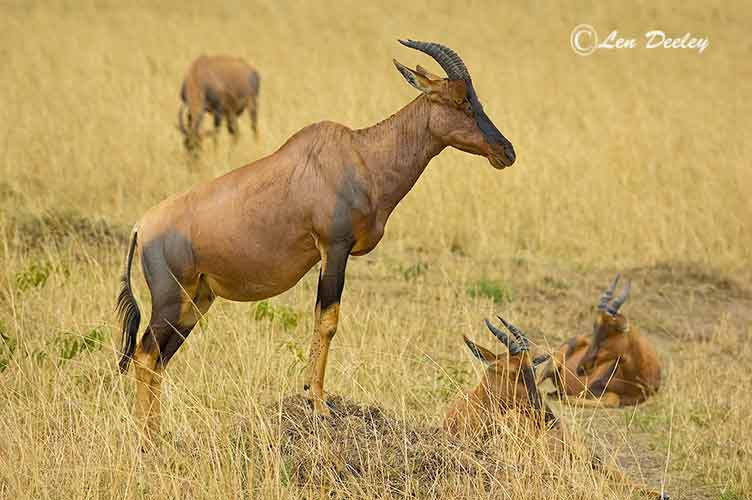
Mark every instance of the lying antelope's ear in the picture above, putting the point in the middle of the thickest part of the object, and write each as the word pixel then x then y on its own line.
pixel 423 71
pixel 479 352
pixel 540 359
pixel 415 79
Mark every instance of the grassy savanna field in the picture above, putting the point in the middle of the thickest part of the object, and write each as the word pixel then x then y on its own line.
pixel 632 161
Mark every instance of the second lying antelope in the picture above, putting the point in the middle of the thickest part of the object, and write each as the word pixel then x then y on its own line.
pixel 615 367
pixel 509 382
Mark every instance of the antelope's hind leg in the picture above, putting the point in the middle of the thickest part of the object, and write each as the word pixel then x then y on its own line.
pixel 253 114
pixel 176 308
pixel 331 284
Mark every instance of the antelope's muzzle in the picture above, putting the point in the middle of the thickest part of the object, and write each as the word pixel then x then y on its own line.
pixel 502 156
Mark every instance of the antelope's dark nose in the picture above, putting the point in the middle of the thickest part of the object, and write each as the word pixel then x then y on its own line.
pixel 509 153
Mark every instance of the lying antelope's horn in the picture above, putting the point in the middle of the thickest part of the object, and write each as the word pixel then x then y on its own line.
pixel 181 121
pixel 448 59
pixel 620 300
pixel 514 347
pixel 542 358
pixel 608 294
pixel 524 343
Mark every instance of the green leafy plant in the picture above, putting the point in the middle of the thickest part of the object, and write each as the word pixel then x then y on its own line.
pixel 413 271
pixel 500 293
pixel 68 345
pixel 283 315
pixel 34 276
pixel 298 356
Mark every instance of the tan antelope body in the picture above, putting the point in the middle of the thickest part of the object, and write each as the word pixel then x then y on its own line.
pixel 222 86
pixel 615 367
pixel 324 195
pixel 509 382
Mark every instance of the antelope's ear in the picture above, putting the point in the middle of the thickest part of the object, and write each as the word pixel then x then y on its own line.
pixel 540 359
pixel 415 79
pixel 479 352
pixel 423 71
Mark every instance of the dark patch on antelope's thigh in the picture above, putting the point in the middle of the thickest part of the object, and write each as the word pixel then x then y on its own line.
pixel 254 82
pixel 168 265
pixel 172 342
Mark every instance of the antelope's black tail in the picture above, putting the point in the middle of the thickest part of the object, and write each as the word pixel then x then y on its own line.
pixel 127 309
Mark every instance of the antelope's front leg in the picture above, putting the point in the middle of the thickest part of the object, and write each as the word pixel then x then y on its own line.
pixel 331 283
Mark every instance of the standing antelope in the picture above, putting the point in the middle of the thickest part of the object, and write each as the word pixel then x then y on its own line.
pixel 615 367
pixel 223 86
pixel 509 382
pixel 324 195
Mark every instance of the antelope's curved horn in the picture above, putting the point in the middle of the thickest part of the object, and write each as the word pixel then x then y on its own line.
pixel 181 120
pixel 514 347
pixel 448 59
pixel 608 294
pixel 542 358
pixel 620 300
pixel 521 339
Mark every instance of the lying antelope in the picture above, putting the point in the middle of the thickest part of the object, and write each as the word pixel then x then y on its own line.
pixel 324 195
pixel 509 382
pixel 222 85
pixel 615 367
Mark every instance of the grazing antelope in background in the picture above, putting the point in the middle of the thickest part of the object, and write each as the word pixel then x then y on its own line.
pixel 222 85
pixel 615 367
pixel 509 382
pixel 324 195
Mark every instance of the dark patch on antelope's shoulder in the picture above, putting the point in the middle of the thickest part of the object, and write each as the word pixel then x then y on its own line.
pixel 352 202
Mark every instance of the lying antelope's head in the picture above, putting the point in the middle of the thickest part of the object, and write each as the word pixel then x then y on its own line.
pixel 509 379
pixel 609 330
pixel 457 116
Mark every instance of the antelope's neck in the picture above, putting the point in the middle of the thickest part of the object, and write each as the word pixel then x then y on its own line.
pixel 396 151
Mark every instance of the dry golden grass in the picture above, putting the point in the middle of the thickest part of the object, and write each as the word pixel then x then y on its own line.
pixel 633 161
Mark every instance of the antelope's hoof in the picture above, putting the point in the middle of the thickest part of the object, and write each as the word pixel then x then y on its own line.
pixel 323 409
